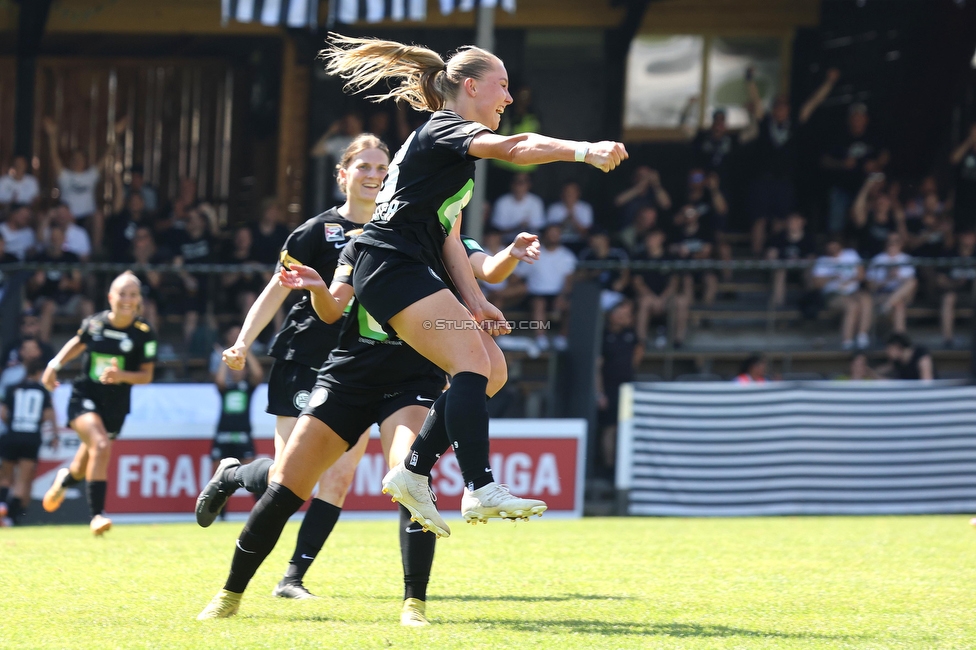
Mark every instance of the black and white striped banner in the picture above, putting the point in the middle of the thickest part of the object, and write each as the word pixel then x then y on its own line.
pixel 794 448
pixel 286 13
pixel 374 11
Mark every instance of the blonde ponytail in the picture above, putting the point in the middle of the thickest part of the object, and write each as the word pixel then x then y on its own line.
pixel 427 82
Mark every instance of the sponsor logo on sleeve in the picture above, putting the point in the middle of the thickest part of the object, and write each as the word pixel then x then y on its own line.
pixel 334 232
pixel 149 351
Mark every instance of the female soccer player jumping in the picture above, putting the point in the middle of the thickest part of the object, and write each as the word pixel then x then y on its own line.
pixel 120 350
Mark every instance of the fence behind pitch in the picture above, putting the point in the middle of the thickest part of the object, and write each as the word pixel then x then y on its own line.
pixel 789 448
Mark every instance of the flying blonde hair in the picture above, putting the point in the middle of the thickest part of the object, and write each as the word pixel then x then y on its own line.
pixel 427 81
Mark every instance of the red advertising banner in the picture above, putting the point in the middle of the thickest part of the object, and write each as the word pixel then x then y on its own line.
pixel 158 467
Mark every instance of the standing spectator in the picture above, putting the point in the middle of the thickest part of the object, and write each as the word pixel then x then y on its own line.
pixel 712 147
pixel 838 275
pixel 954 281
pixel 752 370
pixel 620 355
pixel 241 288
pixel 143 251
pixel 772 189
pixel 519 210
pixel 646 190
pixel 18 232
pixel 891 278
pixel 613 282
pixel 26 410
pixel 76 239
pixel 55 292
pixel 30 349
pixel 122 226
pixel 138 185
pixel 849 159
pixel 196 246
pixel 268 234
pixel 873 219
pixel 574 215
pixel 792 244
pixel 655 290
pixel 964 160
pixel 907 361
pixel 548 282
pixel 78 182
pixel 694 240
pixel 17 186
pixel 30 328
pixel 336 140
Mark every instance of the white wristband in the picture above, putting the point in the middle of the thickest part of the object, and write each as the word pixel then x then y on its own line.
pixel 582 149
pixel 54 365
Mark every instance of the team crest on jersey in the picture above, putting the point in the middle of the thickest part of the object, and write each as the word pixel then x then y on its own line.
pixel 334 232
pixel 301 399
pixel 125 345
pixel 88 405
pixel 95 327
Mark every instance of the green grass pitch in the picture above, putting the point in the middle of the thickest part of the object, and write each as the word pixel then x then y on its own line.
pixel 818 582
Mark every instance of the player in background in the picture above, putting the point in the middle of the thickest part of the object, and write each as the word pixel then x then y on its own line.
pixel 300 349
pixel 119 350
pixel 416 231
pixel 26 410
pixel 371 376
pixel 236 387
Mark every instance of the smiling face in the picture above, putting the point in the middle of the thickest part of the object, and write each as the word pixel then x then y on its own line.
pixel 363 176
pixel 490 95
pixel 125 297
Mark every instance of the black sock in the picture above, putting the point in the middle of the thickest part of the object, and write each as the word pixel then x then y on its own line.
pixel 320 519
pixel 71 481
pixel 96 496
pixel 253 477
pixel 260 534
pixel 466 416
pixel 16 509
pixel 417 553
pixel 432 440
pixel 4 493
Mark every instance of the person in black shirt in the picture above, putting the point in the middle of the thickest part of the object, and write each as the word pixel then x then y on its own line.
pixel 613 282
pixel 874 216
pixel 655 289
pixel 906 361
pixel 956 281
pixel 236 387
pixel 26 410
pixel 713 147
pixel 792 244
pixel 241 288
pixel 194 245
pixel 694 240
pixel 120 229
pixel 269 235
pixel 964 160
pixel 54 292
pixel 620 355
pixel 119 350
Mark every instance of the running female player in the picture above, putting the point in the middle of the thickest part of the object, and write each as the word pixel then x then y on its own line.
pixel 416 229
pixel 300 349
pixel 369 377
pixel 120 351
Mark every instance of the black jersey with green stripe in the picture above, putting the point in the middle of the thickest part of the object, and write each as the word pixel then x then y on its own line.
pixel 129 348
pixel 304 337
pixel 235 407
pixel 368 357
pixel 431 179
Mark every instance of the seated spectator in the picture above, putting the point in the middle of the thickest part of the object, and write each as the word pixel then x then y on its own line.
pixel 792 244
pixel 932 236
pixel 29 350
pixel 30 328
pixel 5 258
pixel 632 237
pixel 655 291
pixel 694 240
pixel 122 226
pixel 549 281
pixel 874 217
pixel 241 288
pixel 860 370
pixel 924 198
pixel 510 291
pixel 645 190
pixel 18 186
pixel 18 232
pixel 518 210
pixel 613 282
pixel 268 235
pixel 143 252
pixel 838 275
pixel 170 225
pixel 57 293
pixel 575 216
pixel 891 279
pixel 76 239
pixel 956 281
pixel 196 246
pixel 138 185
pixel 906 361
pixel 620 355
pixel 849 160
pixel 705 194
pixel 963 160
pixel 752 370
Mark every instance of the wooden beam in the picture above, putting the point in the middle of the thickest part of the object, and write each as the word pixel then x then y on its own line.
pixel 292 129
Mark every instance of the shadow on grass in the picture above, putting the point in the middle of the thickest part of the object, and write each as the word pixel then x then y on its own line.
pixel 606 628
pixel 533 599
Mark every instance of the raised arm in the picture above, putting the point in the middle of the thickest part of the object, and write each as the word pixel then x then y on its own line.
pixel 535 149
pixel 71 349
pixel 495 268
pixel 960 152
pixel 258 317
pixel 328 302
pixel 51 128
pixel 859 211
pixel 819 95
